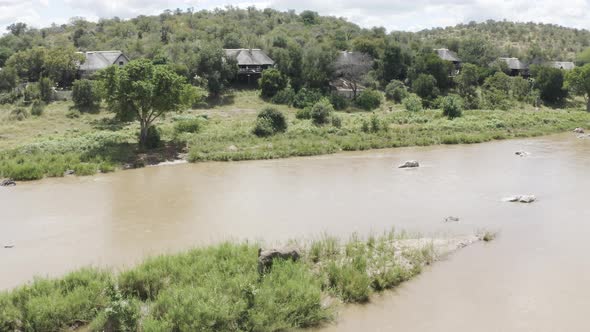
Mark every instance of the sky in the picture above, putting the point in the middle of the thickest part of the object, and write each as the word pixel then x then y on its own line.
pixel 404 15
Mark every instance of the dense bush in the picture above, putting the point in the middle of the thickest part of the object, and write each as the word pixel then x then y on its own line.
pixel 521 88
pixel 550 81
pixel 303 114
pixel 46 93
pixel 396 90
pixel 425 87
pixel 189 125
pixel 153 139
pixel 306 98
pixel 269 122
pixel 37 108
pixel 271 82
pixel 412 103
pixel 369 99
pixel 31 93
pixel 284 97
pixel 321 112
pixel 85 96
pixel 452 106
pixel 339 102
pixel 8 79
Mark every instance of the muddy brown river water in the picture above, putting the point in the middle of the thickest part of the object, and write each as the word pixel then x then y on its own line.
pixel 534 277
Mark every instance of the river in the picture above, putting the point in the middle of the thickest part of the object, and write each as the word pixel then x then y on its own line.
pixel 534 277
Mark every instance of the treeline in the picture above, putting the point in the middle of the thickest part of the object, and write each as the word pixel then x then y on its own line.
pixel 304 47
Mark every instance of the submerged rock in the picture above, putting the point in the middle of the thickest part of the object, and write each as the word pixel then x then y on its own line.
pixel 8 246
pixel 410 164
pixel 266 257
pixel 521 198
pixel 579 131
pixel 7 183
pixel 451 219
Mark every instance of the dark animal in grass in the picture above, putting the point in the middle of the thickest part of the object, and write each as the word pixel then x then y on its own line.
pixel 266 257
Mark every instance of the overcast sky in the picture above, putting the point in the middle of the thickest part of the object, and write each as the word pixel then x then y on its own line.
pixel 408 15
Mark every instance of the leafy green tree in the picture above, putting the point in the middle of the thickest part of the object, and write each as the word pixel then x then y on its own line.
pixel 61 65
pixel 476 50
pixel 29 63
pixel 396 91
pixel 583 57
pixel 321 112
pixel 369 99
pixel 5 53
pixel 85 96
pixel 521 88
pixel 318 67
pixel 430 64
pixel 211 69
pixel 394 64
pixel 550 83
pixel 467 83
pixel 46 93
pixel 425 87
pixel 144 91
pixel 578 83
pixel 271 82
pixel 452 106
pixel 412 103
pixel 8 79
pixel 309 17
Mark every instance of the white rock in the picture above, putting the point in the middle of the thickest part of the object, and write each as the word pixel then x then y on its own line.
pixel 410 164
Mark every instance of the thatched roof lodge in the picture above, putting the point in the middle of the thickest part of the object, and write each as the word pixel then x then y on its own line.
pixel 98 60
pixel 516 67
pixel 565 65
pixel 250 61
pixel 448 55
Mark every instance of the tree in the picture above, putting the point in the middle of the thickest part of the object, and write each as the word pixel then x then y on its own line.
pixel 467 82
pixel 17 29
pixel 317 67
pixel 309 17
pixel 8 79
pixel 394 64
pixel 578 83
pixel 5 53
pixel 29 63
pixel 61 65
pixel 369 99
pixel 425 87
pixel 210 68
pixel 85 96
pixel 271 82
pixel 430 64
pixel 550 82
pixel 353 66
pixel 452 106
pixel 144 91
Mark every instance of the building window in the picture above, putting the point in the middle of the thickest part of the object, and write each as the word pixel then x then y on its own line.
pixel 121 63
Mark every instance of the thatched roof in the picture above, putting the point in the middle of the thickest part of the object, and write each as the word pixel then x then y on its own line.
pixel 249 57
pixel 447 55
pixel 515 64
pixel 98 60
pixel 566 65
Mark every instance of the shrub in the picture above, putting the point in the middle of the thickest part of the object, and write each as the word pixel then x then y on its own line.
pixel 37 108
pixel 9 97
pixel 350 281
pixel 121 314
pixel 372 125
pixel 521 88
pixel 339 102
pixel 193 125
pixel 496 99
pixel 425 86
pixel 284 97
pixel 31 93
pixel 19 114
pixel 306 98
pixel 321 112
pixel 73 114
pixel 550 82
pixel 46 89
pixel 412 103
pixel 396 91
pixel 303 114
pixel 336 121
pixel 269 122
pixel 369 99
pixel 85 96
pixel 271 82
pixel 153 138
pixel 452 106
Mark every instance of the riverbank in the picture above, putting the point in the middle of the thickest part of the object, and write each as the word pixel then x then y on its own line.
pixel 62 142
pixel 221 288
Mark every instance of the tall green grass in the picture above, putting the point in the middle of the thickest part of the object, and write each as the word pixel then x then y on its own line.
pixel 217 288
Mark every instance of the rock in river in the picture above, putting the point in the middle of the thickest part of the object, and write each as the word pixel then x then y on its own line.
pixel 7 183
pixel 521 199
pixel 579 131
pixel 410 164
pixel 521 153
pixel 266 257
